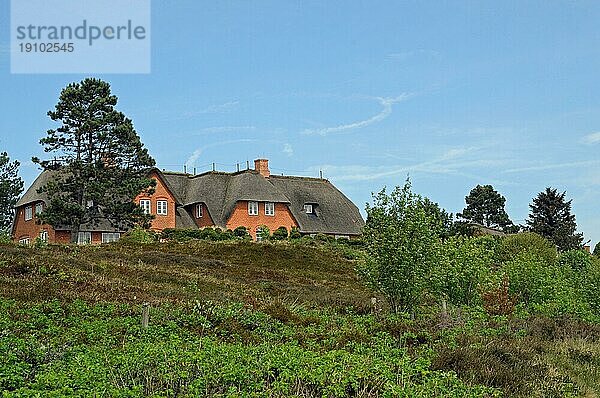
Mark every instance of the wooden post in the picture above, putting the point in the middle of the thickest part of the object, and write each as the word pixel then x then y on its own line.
pixel 145 314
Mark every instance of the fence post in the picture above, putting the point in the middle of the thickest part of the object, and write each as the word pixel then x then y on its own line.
pixel 145 314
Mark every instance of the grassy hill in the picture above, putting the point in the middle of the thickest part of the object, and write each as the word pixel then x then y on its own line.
pixel 247 319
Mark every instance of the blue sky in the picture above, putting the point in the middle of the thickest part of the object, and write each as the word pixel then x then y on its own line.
pixel 453 93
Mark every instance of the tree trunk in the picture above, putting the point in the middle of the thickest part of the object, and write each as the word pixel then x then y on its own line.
pixel 74 233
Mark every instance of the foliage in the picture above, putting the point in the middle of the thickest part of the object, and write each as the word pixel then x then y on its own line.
pixel 596 251
pixel 11 186
pixel 577 260
pixel 499 301
pixel 263 233
pixel 402 242
pixel 512 246
pixel 550 216
pixel 100 163
pixel 441 217
pixel 485 206
pixel 139 235
pixel 465 267
pixel 241 232
pixel 280 233
pixel 295 233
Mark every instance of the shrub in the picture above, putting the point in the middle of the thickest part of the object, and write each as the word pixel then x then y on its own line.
pixel 499 301
pixel 512 246
pixel 241 232
pixel 402 244
pixel 577 260
pixel 280 233
pixel 295 234
pixel 464 268
pixel 4 237
pixel 263 232
pixel 139 235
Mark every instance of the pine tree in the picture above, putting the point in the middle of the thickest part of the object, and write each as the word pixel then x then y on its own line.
pixel 485 206
pixel 11 186
pixel 551 217
pixel 100 162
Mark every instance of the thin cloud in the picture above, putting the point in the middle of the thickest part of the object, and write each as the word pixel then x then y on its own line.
pixel 225 129
pixel 288 149
pixel 555 166
pixel 387 105
pixel 212 109
pixel 591 139
pixel 191 161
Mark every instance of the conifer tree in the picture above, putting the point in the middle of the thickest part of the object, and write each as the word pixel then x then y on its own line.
pixel 551 217
pixel 11 186
pixel 100 164
pixel 485 206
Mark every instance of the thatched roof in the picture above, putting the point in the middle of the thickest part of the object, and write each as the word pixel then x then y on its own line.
pixel 220 192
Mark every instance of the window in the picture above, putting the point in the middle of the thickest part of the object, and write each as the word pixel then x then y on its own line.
pixel 39 208
pixel 146 206
pixel 269 209
pixel 28 213
pixel 253 208
pixel 84 238
pixel 199 210
pixel 44 235
pixel 342 237
pixel 108 237
pixel 161 207
pixel 308 209
pixel 24 240
pixel 89 204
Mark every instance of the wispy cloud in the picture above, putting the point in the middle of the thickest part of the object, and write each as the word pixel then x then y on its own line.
pixel 212 109
pixel 288 149
pixel 224 129
pixel 593 138
pixel 555 166
pixel 191 161
pixel 387 105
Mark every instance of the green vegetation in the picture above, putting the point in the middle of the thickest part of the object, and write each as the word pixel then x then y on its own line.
pixel 11 186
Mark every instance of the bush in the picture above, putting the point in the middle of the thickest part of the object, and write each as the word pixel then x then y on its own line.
pixel 577 260
pixel 5 237
pixel 464 269
pixel 139 235
pixel 263 232
pixel 512 246
pixel 241 232
pixel 402 244
pixel 295 234
pixel 280 233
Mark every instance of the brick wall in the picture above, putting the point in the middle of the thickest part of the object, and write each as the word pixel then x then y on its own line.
pixel 204 221
pixel 240 217
pixel 30 228
pixel 160 222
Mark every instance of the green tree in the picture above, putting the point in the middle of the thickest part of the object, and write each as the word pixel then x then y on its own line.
pixel 442 217
pixel 550 216
pixel 597 250
pixel 485 206
pixel 402 242
pixel 100 163
pixel 11 186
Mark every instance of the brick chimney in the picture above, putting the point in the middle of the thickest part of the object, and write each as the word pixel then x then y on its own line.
pixel 262 166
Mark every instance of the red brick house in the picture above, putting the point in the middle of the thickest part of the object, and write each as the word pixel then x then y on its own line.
pixel 249 198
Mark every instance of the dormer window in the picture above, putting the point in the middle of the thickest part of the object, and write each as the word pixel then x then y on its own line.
pixel 308 208
pixel 38 209
pixel 199 213
pixel 253 208
pixel 161 207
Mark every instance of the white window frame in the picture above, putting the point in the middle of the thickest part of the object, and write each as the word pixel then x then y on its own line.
pixel 84 238
pixel 146 205
pixel 28 213
pixel 162 207
pixel 39 207
pixel 309 208
pixel 25 241
pixel 269 209
pixel 44 235
pixel 199 210
pixel 342 237
pixel 108 237
pixel 253 208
